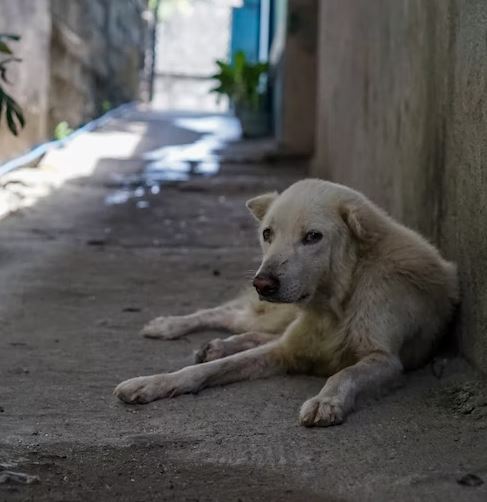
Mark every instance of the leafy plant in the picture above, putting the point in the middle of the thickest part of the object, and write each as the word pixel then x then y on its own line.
pixel 106 105
pixel 62 130
pixel 241 80
pixel 8 106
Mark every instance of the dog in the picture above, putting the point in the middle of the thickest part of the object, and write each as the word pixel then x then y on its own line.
pixel 343 291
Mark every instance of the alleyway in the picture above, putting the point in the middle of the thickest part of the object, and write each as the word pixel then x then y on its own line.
pixel 79 277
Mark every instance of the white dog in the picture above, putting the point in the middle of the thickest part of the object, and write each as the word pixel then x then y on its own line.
pixel 348 294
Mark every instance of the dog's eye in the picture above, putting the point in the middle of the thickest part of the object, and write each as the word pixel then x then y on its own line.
pixel 312 237
pixel 267 234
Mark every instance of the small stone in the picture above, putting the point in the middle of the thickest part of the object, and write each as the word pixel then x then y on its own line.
pixel 470 480
pixel 131 309
pixel 18 478
pixel 96 242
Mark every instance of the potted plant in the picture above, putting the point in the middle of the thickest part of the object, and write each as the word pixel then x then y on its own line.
pixel 244 84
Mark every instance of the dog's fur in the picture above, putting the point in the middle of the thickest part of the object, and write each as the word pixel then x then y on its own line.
pixel 360 304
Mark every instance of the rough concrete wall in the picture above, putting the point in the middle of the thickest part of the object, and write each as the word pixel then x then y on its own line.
pixel 297 74
pixel 30 78
pixel 97 52
pixel 464 219
pixel 402 104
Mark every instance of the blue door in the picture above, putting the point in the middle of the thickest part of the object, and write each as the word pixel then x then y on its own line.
pixel 246 29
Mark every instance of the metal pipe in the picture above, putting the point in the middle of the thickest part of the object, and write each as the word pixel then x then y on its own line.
pixel 42 149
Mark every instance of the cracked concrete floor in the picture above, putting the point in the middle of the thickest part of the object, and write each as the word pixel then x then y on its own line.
pixel 79 278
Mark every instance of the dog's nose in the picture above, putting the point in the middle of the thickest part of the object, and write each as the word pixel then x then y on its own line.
pixel 266 284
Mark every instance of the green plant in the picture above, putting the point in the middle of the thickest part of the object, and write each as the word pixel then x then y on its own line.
pixel 8 106
pixel 62 130
pixel 106 105
pixel 241 80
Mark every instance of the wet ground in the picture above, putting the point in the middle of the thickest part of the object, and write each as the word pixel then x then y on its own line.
pixel 81 272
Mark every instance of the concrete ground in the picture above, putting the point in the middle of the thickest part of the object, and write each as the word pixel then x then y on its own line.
pixel 80 277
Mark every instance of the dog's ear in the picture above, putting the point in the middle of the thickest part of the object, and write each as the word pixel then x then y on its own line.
pixel 259 205
pixel 359 220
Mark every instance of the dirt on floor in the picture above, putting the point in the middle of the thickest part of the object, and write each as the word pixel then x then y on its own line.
pixel 79 277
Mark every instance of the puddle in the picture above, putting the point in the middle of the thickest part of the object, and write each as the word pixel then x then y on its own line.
pixel 176 163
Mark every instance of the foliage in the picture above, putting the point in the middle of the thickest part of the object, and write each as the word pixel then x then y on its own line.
pixel 241 80
pixel 62 130
pixel 8 106
pixel 106 105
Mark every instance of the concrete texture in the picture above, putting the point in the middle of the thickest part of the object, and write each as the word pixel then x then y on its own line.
pixel 296 76
pixel 79 278
pixel 401 116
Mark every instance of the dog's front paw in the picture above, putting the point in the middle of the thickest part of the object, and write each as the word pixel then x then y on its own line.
pixel 165 328
pixel 214 349
pixel 144 389
pixel 322 412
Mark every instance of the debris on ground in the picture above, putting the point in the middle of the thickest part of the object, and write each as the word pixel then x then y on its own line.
pixel 131 309
pixel 17 477
pixel 470 480
pixel 469 398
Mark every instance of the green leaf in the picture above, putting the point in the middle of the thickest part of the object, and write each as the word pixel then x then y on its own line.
pixel 242 81
pixel 19 114
pixel 11 123
pixel 13 113
pixel 221 64
pixel 10 36
pixel 1 104
pixel 62 130
pixel 4 48
pixel 240 60
pixel 3 74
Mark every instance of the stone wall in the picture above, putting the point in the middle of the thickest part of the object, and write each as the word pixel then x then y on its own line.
pixel 402 116
pixel 77 56
pixel 97 50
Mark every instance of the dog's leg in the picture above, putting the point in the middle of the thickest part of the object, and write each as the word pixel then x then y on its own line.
pixel 228 317
pixel 218 348
pixel 337 398
pixel 259 362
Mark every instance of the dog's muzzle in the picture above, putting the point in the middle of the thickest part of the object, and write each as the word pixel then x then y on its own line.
pixel 266 285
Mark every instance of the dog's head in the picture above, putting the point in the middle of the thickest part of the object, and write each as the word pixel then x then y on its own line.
pixel 308 236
